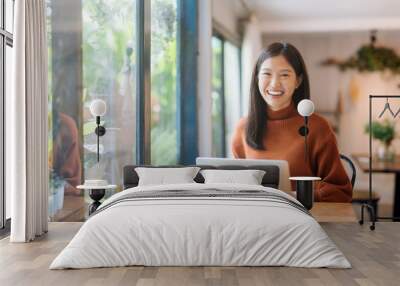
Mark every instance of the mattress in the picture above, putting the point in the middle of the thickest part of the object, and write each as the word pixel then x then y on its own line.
pixel 201 225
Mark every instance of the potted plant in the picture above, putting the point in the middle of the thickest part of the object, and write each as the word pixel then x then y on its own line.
pixel 384 132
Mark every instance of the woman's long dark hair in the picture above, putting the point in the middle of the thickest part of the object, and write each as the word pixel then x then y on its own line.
pixel 257 118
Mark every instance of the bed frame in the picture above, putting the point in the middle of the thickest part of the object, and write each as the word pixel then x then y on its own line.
pixel 270 179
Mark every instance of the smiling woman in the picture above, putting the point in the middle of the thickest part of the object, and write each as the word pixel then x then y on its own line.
pixel 277 82
pixel 271 130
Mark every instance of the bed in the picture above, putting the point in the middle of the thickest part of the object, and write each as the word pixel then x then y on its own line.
pixel 198 224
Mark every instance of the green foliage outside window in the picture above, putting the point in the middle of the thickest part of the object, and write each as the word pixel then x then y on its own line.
pixel 163 82
pixel 108 31
pixel 107 36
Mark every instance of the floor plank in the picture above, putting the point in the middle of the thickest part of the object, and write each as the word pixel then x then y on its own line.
pixel 375 257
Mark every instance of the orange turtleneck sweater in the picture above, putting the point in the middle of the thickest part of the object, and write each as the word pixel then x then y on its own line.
pixel 283 141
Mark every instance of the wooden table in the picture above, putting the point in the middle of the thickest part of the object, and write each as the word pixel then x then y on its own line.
pixel 362 161
pixel 333 212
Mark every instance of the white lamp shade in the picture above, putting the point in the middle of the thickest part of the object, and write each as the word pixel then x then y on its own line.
pixel 305 107
pixel 98 107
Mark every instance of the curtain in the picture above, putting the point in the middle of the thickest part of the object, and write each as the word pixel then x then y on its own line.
pixel 26 118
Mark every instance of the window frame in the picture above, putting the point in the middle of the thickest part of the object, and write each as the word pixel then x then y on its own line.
pixel 143 82
pixel 224 37
pixel 6 39
pixel 186 90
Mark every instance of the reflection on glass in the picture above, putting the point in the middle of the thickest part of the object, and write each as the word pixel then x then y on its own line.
pixel 231 92
pixel 218 120
pixel 91 55
pixel 163 82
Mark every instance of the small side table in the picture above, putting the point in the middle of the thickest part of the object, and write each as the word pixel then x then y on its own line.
pixel 304 190
pixel 96 193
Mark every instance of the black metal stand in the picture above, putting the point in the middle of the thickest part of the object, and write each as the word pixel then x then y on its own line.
pixel 373 216
pixel 100 131
pixel 96 195
pixel 304 188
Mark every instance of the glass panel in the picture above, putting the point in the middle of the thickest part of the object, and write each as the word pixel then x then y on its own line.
pixel 231 92
pixel 163 82
pixel 8 78
pixel 2 111
pixel 9 15
pixel 91 56
pixel 217 99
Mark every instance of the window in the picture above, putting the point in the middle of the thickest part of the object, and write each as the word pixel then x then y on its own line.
pixel 225 97
pixel 6 44
pixel 93 48
pixel 218 117
pixel 163 82
pixel 232 92
pixel 91 55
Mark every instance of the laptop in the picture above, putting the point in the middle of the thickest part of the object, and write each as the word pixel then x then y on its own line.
pixel 284 174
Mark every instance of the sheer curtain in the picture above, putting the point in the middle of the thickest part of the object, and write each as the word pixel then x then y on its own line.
pixel 26 119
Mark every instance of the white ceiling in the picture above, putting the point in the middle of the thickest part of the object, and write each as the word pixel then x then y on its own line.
pixel 325 15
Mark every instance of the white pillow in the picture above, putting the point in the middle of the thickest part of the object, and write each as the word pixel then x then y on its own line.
pixel 163 176
pixel 248 177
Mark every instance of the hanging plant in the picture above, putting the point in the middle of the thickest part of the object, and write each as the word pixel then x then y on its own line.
pixel 369 58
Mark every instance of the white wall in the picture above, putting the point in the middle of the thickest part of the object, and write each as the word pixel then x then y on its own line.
pixel 327 83
pixel 224 16
pixel 251 48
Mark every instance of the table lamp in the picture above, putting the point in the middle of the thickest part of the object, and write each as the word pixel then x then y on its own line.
pixel 98 108
pixel 304 185
pixel 305 108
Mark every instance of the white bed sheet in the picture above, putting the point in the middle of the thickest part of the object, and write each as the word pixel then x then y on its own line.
pixel 200 231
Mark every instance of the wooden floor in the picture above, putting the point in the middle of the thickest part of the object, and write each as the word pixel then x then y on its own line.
pixel 375 257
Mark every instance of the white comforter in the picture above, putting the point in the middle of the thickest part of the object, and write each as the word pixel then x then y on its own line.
pixel 200 231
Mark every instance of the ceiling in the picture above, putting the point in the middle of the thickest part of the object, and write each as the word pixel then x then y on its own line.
pixel 324 15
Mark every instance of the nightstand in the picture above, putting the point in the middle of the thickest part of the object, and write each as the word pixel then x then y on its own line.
pixel 96 193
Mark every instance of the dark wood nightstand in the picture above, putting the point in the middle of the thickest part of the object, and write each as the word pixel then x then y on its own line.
pixel 96 193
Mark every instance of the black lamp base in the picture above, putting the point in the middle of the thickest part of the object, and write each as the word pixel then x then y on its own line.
pixel 305 193
pixel 96 195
